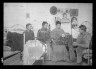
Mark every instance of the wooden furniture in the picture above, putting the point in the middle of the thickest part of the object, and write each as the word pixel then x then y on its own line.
pixel 87 53
pixel 11 58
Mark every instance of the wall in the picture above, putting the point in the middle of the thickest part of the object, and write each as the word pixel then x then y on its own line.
pixel 39 12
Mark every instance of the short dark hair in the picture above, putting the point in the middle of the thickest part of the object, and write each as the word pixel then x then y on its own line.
pixel 5 30
pixel 73 19
pixel 44 22
pixel 83 27
pixel 58 22
pixel 27 25
pixel 64 14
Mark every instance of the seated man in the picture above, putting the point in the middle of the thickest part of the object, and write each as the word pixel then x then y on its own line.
pixel 59 51
pixel 82 42
pixel 29 34
pixel 43 35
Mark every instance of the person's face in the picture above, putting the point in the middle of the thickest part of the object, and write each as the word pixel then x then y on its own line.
pixel 58 26
pixel 74 21
pixel 46 26
pixel 64 16
pixel 29 27
pixel 81 31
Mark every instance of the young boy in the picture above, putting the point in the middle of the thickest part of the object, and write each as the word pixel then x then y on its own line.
pixel 29 34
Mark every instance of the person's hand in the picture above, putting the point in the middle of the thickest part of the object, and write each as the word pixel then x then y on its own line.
pixel 63 35
pixel 75 44
pixel 53 41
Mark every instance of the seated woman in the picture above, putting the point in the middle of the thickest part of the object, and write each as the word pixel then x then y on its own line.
pixel 67 41
pixel 59 51
pixel 82 42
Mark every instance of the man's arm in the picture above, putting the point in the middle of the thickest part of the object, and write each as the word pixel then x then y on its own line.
pixel 84 45
pixel 87 41
pixel 49 35
pixel 81 45
pixel 33 35
pixel 52 34
pixel 38 34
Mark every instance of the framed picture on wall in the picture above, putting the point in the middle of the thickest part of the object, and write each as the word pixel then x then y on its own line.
pixel 74 18
pixel 74 22
pixel 65 18
pixel 27 15
pixel 73 12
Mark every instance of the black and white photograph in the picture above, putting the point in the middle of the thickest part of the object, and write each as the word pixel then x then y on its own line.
pixel 47 34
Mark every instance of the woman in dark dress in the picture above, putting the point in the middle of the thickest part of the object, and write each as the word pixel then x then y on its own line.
pixel 59 51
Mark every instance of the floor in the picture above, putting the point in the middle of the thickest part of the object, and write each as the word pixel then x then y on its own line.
pixel 54 63
pixel 59 63
pixel 49 63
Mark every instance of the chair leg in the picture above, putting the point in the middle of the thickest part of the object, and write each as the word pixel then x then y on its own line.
pixel 88 59
pixel 21 55
pixel 43 60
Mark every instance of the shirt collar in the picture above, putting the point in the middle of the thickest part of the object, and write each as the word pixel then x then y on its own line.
pixel 28 30
pixel 83 33
pixel 44 29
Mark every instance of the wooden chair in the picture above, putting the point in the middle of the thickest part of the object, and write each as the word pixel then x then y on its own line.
pixel 87 53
